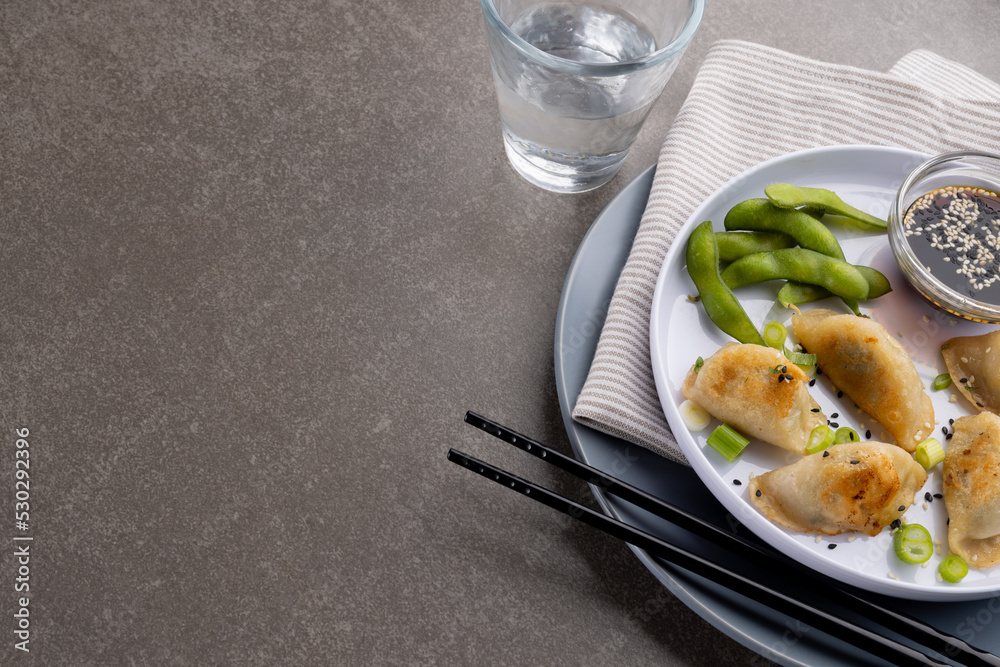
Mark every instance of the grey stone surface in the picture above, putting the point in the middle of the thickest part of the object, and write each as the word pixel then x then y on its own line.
pixel 256 260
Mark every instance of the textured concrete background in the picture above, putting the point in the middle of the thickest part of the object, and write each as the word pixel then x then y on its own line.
pixel 256 260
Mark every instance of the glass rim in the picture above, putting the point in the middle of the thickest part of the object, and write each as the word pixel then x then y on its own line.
pixel 913 269
pixel 676 46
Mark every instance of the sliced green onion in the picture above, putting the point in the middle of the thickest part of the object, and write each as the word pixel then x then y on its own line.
pixel 846 434
pixel 953 569
pixel 913 544
pixel 942 381
pixel 727 442
pixel 698 363
pixel 775 334
pixel 821 437
pixel 695 417
pixel 929 453
pixel 801 358
pixel 809 370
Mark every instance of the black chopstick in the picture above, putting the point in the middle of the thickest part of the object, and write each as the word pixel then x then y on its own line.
pixel 792 570
pixel 867 640
pixel 907 626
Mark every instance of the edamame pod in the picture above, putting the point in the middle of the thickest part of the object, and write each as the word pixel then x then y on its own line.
pixel 800 265
pixel 787 196
pixel 720 303
pixel 762 215
pixel 733 245
pixel 793 293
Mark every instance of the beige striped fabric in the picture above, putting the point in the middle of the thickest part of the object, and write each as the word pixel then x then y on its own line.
pixel 750 103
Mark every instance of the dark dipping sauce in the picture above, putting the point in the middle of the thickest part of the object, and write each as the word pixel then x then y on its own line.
pixel 954 232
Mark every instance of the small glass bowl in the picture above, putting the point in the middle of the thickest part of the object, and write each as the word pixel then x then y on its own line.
pixel 961 169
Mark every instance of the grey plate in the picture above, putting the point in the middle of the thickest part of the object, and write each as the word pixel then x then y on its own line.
pixel 586 294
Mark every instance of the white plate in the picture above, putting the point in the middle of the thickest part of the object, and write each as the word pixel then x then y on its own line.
pixel 680 331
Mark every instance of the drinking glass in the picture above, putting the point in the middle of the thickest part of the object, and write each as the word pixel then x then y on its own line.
pixel 576 80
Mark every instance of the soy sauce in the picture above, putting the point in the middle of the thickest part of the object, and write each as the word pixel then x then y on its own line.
pixel 955 233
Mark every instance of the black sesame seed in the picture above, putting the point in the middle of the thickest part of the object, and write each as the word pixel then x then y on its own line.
pixel 964 380
pixel 840 394
pixel 950 422
pixel 737 482
pixel 812 383
pixel 944 429
pixel 831 546
pixel 928 497
pixel 784 369
pixel 979 404
pixel 814 410
pixel 855 462
pixel 868 434
pixel 938 496
pixel 834 415
pixel 895 524
pixel 834 425
pixel 826 453
pixel 948 437
pixel 819 371
pixel 902 508
pixel 758 493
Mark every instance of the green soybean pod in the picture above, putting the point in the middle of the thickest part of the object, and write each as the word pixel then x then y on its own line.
pixel 798 293
pixel 761 215
pixel 733 245
pixel 799 265
pixel 785 195
pixel 720 303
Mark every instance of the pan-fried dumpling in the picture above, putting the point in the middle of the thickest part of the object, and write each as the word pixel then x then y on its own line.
pixel 872 368
pixel 972 489
pixel 974 365
pixel 758 392
pixel 856 486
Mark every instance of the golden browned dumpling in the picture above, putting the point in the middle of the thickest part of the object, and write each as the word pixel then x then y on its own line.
pixel 866 363
pixel 974 365
pixel 856 486
pixel 758 392
pixel 972 489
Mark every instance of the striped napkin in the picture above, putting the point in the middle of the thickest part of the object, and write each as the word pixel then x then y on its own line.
pixel 750 103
